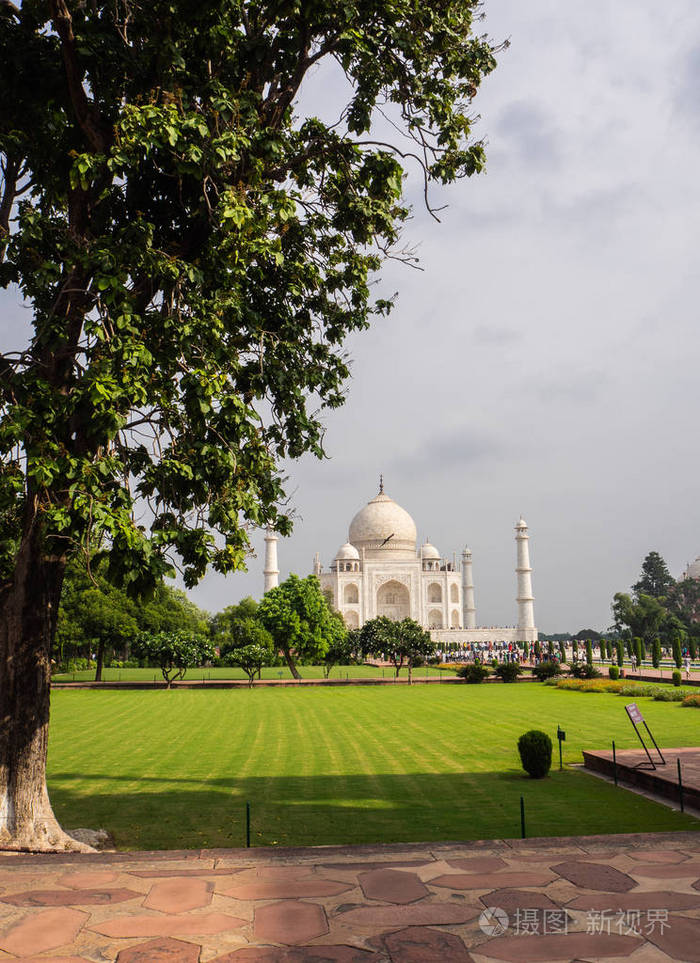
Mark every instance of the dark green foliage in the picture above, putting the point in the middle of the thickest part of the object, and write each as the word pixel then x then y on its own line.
pixel 538 650
pixel 693 647
pixel 655 580
pixel 642 616
pixel 402 643
pixel 639 651
pixel 173 652
pixel 562 653
pixel 677 651
pixel 546 670
pixel 656 653
pixel 535 748
pixel 585 670
pixel 474 673
pixel 574 650
pixel 300 621
pixel 614 671
pixel 676 677
pixel 620 653
pixel 589 652
pixel 584 634
pixel 508 671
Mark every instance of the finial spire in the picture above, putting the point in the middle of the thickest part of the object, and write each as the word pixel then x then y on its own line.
pixel 381 484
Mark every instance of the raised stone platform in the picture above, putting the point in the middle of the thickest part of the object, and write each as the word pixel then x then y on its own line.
pixel 596 898
pixel 663 781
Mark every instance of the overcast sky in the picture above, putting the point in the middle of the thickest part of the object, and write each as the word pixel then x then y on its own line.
pixel 545 359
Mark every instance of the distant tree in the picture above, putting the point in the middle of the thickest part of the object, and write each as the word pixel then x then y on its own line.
pixel 299 619
pixel 174 652
pixel 401 643
pixel 655 580
pixel 643 616
pixel 222 624
pixel 250 647
pixel 584 634
pixel 343 647
pixel 589 652
pixel 683 600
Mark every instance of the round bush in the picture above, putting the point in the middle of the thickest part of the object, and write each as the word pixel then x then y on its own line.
pixel 614 672
pixel 546 670
pixel 508 671
pixel 473 673
pixel 676 677
pixel 535 748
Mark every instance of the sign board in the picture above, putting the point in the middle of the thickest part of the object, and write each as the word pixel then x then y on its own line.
pixel 634 713
pixel 561 735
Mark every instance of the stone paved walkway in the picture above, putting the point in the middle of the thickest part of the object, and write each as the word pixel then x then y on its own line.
pixel 602 898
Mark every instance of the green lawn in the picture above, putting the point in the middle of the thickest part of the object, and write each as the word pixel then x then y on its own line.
pixel 169 769
pixel 273 672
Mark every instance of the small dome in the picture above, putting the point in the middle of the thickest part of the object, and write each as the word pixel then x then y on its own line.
pixel 521 523
pixel 347 552
pixel 693 570
pixel 429 551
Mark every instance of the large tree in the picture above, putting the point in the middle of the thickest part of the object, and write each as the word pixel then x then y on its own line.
pixel 301 622
pixel 401 643
pixel 655 580
pixel 194 255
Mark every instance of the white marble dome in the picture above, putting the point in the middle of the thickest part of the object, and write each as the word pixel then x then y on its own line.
pixel 693 570
pixel 348 553
pixel 429 551
pixel 383 526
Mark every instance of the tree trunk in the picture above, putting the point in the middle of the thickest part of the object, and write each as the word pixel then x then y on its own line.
pixel 100 660
pixel 28 613
pixel 290 664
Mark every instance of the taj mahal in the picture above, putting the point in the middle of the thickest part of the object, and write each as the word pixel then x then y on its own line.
pixel 380 570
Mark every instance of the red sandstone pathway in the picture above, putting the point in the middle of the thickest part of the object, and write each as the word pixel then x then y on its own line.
pixel 595 898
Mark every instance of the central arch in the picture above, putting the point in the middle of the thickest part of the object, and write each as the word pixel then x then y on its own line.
pixel 394 601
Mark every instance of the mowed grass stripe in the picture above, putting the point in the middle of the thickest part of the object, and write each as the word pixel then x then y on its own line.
pixel 169 769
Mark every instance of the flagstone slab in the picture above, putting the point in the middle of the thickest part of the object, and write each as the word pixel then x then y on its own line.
pixel 47 959
pixel 161 951
pixel 392 886
pixel 93 880
pixel 658 856
pixel 671 871
pixel 680 939
pixel 398 917
pixel 290 922
pixel 559 946
pixel 511 900
pixel 300 954
pixel 502 879
pixel 178 895
pixel 478 864
pixel 279 889
pixel 181 873
pixel 39 932
pixel 636 901
pixel 595 876
pixel 421 944
pixel 126 927
pixel 62 897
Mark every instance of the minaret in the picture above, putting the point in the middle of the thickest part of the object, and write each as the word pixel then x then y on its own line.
pixel 271 571
pixel 468 607
pixel 317 565
pixel 525 599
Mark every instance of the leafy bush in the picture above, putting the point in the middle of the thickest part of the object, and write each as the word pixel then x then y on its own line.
pixel 670 695
pixel 638 689
pixel 614 672
pixel 473 673
pixel 585 670
pixel 692 701
pixel 508 671
pixel 535 748
pixel 546 670
pixel 589 685
pixel 677 677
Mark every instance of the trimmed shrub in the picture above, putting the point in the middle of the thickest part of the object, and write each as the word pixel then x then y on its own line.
pixel 614 672
pixel 535 748
pixel 589 652
pixel 677 677
pixel 620 653
pixel 639 651
pixel 692 701
pixel 473 673
pixel 508 671
pixel 574 650
pixel 677 653
pixel 670 695
pixel 693 647
pixel 546 670
pixel 562 653
pixel 656 653
pixel 584 670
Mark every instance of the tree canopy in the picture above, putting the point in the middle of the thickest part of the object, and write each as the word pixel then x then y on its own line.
pixel 401 643
pixel 174 652
pixel 655 580
pixel 194 253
